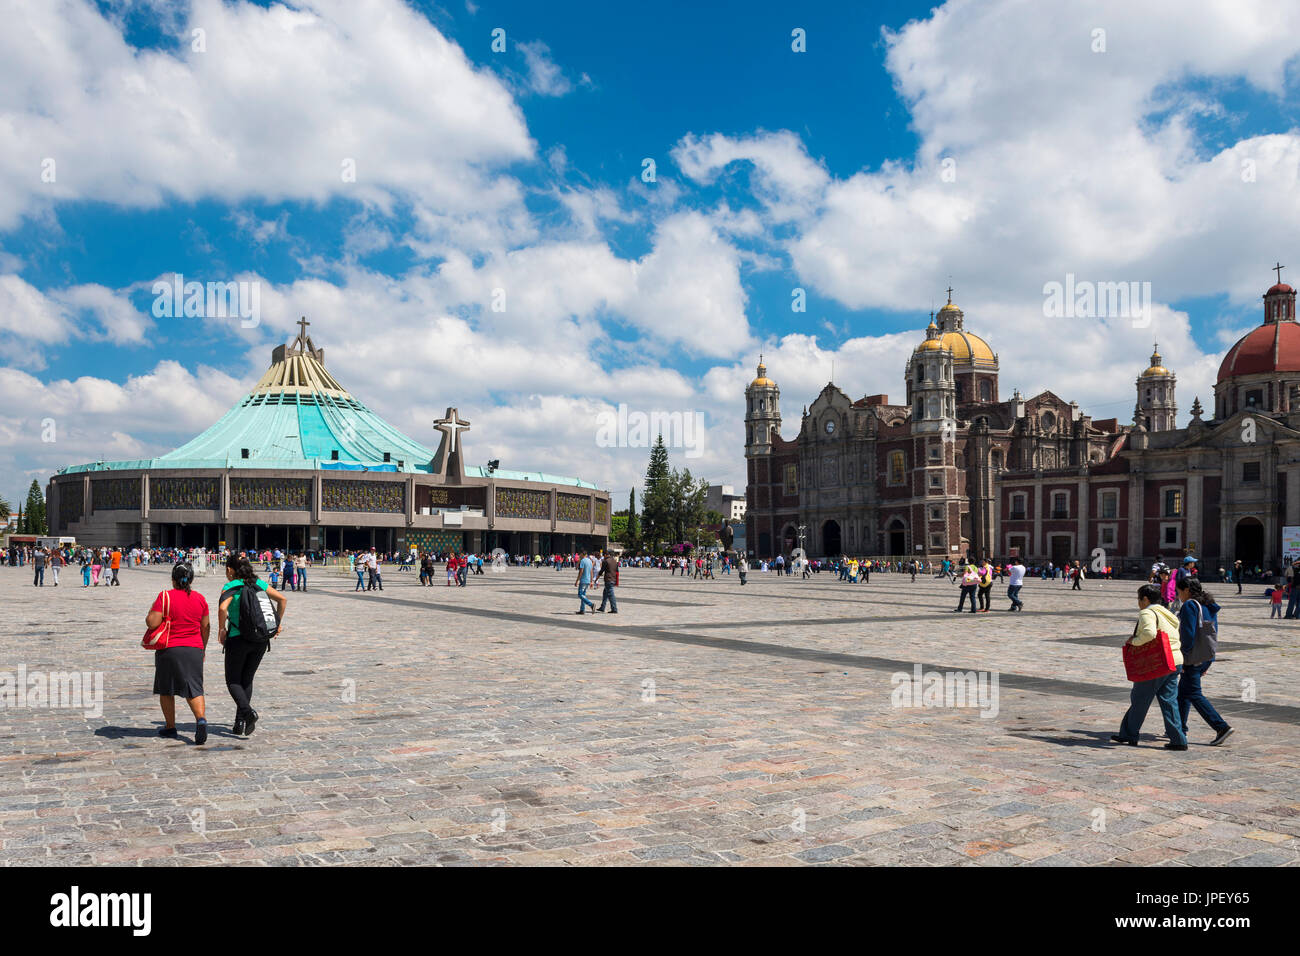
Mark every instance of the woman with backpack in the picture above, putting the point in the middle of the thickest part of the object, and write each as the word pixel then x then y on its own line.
pixel 1197 608
pixel 178 668
pixel 245 645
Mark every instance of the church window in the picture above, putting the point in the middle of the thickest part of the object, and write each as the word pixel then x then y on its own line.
pixel 896 467
pixel 936 452
pixel 1250 471
pixel 791 479
pixel 995 459
pixel 1173 503
pixel 1110 504
pixel 986 391
pixel 936 481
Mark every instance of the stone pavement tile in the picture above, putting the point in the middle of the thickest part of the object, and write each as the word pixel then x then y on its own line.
pixel 505 707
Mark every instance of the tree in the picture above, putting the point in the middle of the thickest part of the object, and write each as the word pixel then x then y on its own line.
pixel 631 516
pixel 657 499
pixel 5 509
pixel 688 496
pixel 34 514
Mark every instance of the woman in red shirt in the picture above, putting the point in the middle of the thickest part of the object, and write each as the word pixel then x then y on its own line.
pixel 179 668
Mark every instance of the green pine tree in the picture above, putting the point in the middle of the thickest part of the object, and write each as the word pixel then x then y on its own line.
pixel 631 517
pixel 35 510
pixel 657 525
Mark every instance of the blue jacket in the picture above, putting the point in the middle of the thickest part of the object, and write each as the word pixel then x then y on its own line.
pixel 1187 622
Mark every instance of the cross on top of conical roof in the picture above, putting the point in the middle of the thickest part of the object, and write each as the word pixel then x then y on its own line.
pixel 302 343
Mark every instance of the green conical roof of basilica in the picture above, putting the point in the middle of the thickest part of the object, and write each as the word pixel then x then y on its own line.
pixel 298 416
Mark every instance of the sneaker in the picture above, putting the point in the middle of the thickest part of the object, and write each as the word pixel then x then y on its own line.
pixel 1123 740
pixel 169 732
pixel 577 612
pixel 250 722
pixel 600 610
pixel 200 733
pixel 1172 746
pixel 1223 735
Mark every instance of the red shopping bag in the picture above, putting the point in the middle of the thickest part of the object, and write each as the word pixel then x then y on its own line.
pixel 1150 660
pixel 159 638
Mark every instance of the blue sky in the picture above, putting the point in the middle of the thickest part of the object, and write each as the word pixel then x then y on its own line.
pixel 522 170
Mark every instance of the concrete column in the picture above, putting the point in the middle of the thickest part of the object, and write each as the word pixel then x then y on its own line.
pixel 1136 516
pixel 1195 511
pixel 1293 495
pixel 1036 546
pixel 1082 545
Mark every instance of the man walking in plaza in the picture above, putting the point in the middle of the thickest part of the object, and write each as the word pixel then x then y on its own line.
pixel 115 564
pixel 608 571
pixel 1015 581
pixel 583 581
pixel 38 568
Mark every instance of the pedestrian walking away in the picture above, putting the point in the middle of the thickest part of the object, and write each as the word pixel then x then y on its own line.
pixel 585 569
pixel 178 668
pixel 250 614
pixel 608 571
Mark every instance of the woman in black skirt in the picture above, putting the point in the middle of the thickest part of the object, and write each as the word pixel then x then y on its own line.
pixel 179 668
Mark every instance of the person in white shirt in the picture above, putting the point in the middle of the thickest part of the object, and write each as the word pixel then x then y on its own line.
pixel 1015 580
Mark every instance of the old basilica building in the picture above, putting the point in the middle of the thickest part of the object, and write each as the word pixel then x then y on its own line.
pixel 956 469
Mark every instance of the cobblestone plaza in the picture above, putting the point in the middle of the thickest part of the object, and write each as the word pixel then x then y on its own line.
pixel 706 723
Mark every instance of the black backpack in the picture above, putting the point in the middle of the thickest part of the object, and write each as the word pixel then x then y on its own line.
pixel 257 620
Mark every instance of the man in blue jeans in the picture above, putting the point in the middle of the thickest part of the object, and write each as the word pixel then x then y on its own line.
pixel 1015 581
pixel 583 582
pixel 609 571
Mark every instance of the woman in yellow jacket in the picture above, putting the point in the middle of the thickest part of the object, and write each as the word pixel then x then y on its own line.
pixel 1152 618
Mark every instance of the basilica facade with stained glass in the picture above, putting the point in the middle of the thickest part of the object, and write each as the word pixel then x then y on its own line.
pixel 300 463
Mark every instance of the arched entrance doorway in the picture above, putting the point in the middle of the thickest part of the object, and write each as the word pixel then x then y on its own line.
pixel 1249 543
pixel 897 538
pixel 789 539
pixel 831 545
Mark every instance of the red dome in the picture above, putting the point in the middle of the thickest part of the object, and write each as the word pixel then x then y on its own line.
pixel 1270 348
pixel 1280 287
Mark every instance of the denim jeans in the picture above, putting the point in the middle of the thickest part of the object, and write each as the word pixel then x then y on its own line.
pixel 1013 592
pixel 361 580
pixel 967 589
pixel 1189 696
pixel 1165 690
pixel 608 595
pixel 1293 605
pixel 584 603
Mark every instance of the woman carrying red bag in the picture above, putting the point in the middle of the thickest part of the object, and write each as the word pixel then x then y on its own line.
pixel 1154 623
pixel 178 668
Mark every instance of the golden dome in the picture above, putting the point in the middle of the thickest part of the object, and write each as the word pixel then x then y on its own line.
pixel 762 381
pixel 966 348
pixel 950 307
pixel 1156 367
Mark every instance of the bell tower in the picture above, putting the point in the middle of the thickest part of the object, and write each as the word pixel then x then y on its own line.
pixel 762 413
pixel 1156 408
pixel 931 389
